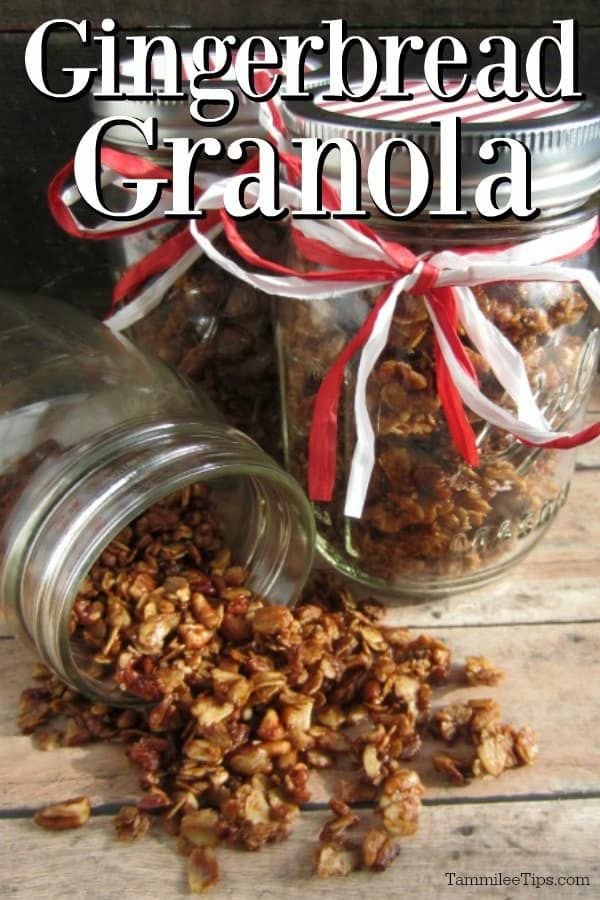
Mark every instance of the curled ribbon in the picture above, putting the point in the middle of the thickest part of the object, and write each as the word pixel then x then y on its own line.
pixel 143 285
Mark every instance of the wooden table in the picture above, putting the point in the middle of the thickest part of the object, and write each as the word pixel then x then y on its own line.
pixel 542 624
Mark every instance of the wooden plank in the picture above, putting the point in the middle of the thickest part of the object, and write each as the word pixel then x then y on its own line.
pixel 551 684
pixel 308 14
pixel 477 840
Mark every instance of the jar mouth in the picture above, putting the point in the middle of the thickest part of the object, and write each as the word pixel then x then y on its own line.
pixel 154 462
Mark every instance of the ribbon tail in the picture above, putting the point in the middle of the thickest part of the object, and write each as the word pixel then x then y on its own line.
pixel 322 442
pixel 568 440
pixel 441 306
pixel 159 260
pixel 498 416
pixel 363 459
pixel 459 427
pixel 504 360
pixel 153 293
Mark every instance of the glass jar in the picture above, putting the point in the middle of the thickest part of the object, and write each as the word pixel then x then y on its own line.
pixel 431 523
pixel 215 330
pixel 93 433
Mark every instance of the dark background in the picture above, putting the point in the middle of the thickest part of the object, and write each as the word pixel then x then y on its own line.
pixel 38 134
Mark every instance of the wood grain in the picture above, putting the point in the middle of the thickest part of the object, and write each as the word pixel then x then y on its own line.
pixel 552 677
pixel 478 839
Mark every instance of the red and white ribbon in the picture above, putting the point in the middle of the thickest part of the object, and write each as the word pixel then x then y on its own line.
pixel 349 257
pixel 143 286
pixel 445 279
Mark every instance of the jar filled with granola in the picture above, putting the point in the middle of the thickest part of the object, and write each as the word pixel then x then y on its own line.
pixel 96 435
pixel 205 324
pixel 433 523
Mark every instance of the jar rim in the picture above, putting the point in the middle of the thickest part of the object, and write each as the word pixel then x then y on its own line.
pixel 83 534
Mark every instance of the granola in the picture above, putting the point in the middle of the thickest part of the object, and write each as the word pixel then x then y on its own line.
pixel 494 746
pixel 427 513
pixel 240 700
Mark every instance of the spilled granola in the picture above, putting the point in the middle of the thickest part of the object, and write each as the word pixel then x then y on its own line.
pixel 241 700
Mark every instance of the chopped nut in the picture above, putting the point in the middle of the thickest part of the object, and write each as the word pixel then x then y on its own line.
pixel 479 670
pixel 203 870
pixel 344 819
pixel 200 828
pixel 130 824
pixel 378 850
pixel 272 620
pixel 454 768
pixel 333 859
pixel 69 814
pixel 525 746
pixel 448 721
pixel 400 802
pixel 251 760
pixel 492 754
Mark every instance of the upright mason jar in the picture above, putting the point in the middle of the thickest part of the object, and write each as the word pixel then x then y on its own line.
pixel 92 433
pixel 431 523
pixel 212 328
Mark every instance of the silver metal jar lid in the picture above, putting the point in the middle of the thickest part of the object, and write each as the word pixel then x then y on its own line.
pixel 173 116
pixel 563 137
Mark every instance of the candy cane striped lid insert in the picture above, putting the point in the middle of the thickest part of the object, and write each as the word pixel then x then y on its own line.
pixel 425 107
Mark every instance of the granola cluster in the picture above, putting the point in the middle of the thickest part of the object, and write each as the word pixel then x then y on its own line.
pixel 497 746
pixel 242 700
pixel 217 331
pixel 427 513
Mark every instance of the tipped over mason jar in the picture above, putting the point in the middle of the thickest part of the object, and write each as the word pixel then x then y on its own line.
pixel 94 434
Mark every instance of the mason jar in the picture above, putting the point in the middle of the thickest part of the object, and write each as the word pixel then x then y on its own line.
pixel 93 433
pixel 215 330
pixel 432 524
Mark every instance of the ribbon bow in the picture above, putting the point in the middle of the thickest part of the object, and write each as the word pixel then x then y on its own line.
pixel 352 257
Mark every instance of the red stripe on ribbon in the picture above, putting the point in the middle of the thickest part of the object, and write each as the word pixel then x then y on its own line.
pixel 158 260
pixel 123 164
pixel 570 441
pixel 444 303
pixel 323 430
